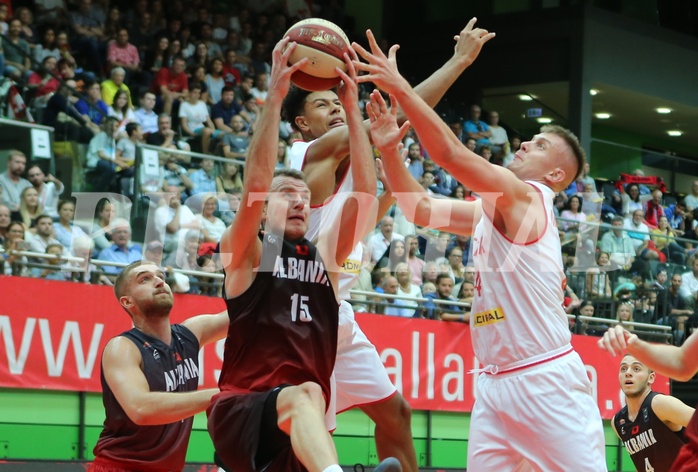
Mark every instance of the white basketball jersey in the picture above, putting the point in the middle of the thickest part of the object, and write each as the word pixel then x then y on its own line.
pixel 517 311
pixel 324 214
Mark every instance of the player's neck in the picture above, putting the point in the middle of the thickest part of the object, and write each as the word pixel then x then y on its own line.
pixel 158 328
pixel 635 403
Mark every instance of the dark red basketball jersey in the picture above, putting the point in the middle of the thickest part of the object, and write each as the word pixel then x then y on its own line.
pixel 173 368
pixel 283 328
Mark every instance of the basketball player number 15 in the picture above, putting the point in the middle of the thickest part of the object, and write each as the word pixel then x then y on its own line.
pixel 299 305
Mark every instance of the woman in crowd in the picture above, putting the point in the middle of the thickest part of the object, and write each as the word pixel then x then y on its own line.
pixel 598 283
pixel 664 240
pixel 29 208
pixel 28 32
pixel 200 56
pixel 47 47
pixel 43 82
pixel 394 254
pixel 14 242
pixel 212 227
pixel 113 24
pixel 214 81
pixel 101 228
pixel 624 314
pixel 159 56
pixel 573 213
pixel 404 280
pixel 631 199
pixel 122 111
pixel 229 178
pixel 4 222
pixel 64 230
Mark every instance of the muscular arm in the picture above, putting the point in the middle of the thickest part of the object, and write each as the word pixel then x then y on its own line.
pixel 208 328
pixel 680 363
pixel 672 411
pixel 121 364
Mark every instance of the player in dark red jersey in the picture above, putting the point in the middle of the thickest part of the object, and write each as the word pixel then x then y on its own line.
pixel 650 424
pixel 282 301
pixel 150 376
pixel 680 363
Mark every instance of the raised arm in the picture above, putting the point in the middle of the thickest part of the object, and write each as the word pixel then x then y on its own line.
pixel 680 363
pixel 419 207
pixel 357 215
pixel 240 246
pixel 335 143
pixel 122 370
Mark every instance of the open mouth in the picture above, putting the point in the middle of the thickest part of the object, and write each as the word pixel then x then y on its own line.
pixel 336 122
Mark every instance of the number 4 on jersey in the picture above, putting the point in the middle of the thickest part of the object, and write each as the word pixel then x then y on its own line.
pixel 648 466
pixel 299 305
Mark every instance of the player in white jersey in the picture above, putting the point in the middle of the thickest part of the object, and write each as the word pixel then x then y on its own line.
pixel 361 378
pixel 534 407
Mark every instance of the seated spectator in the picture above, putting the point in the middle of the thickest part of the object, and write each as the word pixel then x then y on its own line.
pixel 62 115
pixel 195 120
pixel 587 308
pixel 55 273
pixel 168 138
pixel 486 152
pixel 379 242
pixel 222 113
pixel 228 214
pixel 11 181
pixel 17 62
pixel 664 240
pixel 477 129
pixel 231 73
pixel 145 116
pixel 215 82
pixel 93 106
pixel 618 244
pixel 124 55
pixel 444 287
pixel 115 84
pixel 83 248
pixel 101 157
pixel 173 219
pixel 436 246
pixel 689 286
pixel 89 32
pixel 44 235
pixel 47 47
pixel 203 179
pixel 676 214
pixel 598 283
pixel 157 55
pixel 212 227
pixel 186 257
pixel 645 305
pixel 229 178
pixel 236 142
pixel 4 222
pixel 455 263
pixel 14 264
pixel 197 75
pixel 394 254
pixel 456 126
pixel 64 229
pixel 691 200
pixel 175 175
pixel 29 208
pixel 624 314
pixel 397 306
pixel 639 234
pixel 105 214
pixel 415 157
pixel 261 87
pixel 653 209
pixel 171 86
pixel 49 188
pixel 250 112
pixel 631 199
pixel 126 152
pixel 499 140
pixel 573 211
pixel 122 111
pixel 43 83
pixel 122 250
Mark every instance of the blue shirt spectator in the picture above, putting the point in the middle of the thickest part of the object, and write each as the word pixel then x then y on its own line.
pixel 203 179
pixel 122 250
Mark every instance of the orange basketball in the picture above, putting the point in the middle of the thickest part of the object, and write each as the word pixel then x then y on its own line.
pixel 324 44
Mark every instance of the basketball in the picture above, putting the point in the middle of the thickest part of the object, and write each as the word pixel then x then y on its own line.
pixel 324 44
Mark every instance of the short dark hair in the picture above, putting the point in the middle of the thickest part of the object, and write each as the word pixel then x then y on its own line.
pixel 43 217
pixel 293 105
pixel 572 141
pixel 131 128
pixel 195 86
pixel 227 88
pixel 442 276
pixel 64 201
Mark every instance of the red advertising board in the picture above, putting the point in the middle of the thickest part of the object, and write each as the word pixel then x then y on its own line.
pixel 52 334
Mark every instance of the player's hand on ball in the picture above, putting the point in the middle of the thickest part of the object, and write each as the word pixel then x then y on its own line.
pixel 281 71
pixel 348 90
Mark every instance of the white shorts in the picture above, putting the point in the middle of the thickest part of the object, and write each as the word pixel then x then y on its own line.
pixel 359 374
pixel 540 418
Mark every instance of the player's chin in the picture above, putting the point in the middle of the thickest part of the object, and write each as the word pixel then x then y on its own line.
pixel 296 228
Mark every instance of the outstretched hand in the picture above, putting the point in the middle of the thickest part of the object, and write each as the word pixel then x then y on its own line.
pixel 281 71
pixel 616 340
pixel 385 132
pixel 348 90
pixel 381 70
pixel 469 42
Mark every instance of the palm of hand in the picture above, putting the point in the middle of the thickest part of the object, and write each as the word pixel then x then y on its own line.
pixel 385 132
